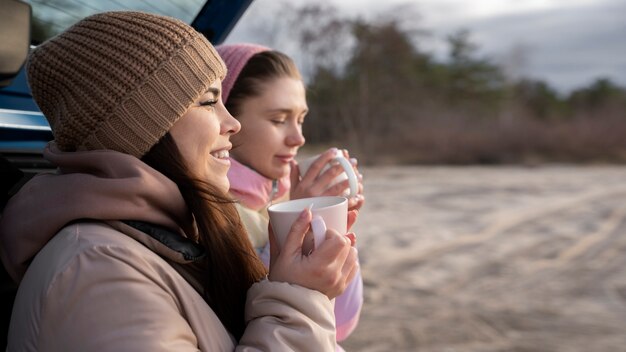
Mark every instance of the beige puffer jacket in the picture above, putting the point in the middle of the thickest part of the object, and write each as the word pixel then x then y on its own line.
pixel 102 285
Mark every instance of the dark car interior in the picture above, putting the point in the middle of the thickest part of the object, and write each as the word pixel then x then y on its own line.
pixel 14 17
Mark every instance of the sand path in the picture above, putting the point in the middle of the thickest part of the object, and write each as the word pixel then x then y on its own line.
pixel 493 259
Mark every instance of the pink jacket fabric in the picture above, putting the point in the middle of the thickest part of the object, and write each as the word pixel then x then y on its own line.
pixel 252 189
pixel 91 282
pixel 244 180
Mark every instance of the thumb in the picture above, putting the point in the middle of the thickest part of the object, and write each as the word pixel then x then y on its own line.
pixel 295 237
pixel 294 175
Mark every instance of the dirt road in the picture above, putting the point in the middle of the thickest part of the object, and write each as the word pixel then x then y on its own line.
pixel 493 259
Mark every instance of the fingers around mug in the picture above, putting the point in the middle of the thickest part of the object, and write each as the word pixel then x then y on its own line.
pixel 355 203
pixel 352 265
pixel 295 237
pixel 361 201
pixel 352 202
pixel 352 237
pixel 294 174
pixel 333 249
pixel 352 178
pixel 335 169
pixel 352 216
pixel 316 167
pixel 345 153
pixel 337 189
pixel 331 261
pixel 352 260
pixel 349 269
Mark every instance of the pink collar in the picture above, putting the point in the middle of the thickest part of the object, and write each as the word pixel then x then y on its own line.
pixel 252 189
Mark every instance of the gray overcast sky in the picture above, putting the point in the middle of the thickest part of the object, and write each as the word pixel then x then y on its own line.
pixel 566 43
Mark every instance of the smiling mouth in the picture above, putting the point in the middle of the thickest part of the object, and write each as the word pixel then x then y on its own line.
pixel 220 154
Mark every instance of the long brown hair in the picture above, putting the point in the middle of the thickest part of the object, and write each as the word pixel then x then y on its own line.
pixel 261 67
pixel 231 265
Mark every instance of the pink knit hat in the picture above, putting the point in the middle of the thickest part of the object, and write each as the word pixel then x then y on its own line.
pixel 236 56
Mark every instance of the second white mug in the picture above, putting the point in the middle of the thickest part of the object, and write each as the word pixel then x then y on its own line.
pixel 347 174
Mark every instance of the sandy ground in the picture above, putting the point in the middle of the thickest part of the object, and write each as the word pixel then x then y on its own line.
pixel 493 259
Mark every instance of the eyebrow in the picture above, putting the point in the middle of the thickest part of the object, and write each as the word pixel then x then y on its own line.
pixel 285 111
pixel 215 91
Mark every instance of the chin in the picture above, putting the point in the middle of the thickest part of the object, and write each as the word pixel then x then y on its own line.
pixel 280 173
pixel 224 186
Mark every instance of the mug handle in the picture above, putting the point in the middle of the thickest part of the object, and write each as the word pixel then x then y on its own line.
pixel 352 179
pixel 318 227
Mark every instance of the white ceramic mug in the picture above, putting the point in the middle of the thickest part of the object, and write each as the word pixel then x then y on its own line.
pixel 332 210
pixel 348 173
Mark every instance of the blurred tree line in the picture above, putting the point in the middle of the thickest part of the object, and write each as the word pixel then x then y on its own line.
pixel 372 90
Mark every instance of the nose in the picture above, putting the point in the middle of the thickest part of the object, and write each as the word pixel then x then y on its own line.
pixel 294 137
pixel 230 125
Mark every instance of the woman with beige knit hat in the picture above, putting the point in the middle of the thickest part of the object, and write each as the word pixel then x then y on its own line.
pixel 133 243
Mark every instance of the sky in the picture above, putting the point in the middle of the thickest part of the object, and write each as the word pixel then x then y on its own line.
pixel 567 43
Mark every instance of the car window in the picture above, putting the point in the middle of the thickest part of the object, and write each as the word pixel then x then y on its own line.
pixel 51 17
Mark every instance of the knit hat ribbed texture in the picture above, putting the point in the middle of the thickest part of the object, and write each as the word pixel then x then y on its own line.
pixel 236 56
pixel 120 80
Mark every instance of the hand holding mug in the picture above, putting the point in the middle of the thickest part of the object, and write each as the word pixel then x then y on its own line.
pixel 327 213
pixel 331 173
pixel 328 269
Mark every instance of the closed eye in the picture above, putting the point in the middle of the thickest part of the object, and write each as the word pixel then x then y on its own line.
pixel 208 102
pixel 210 98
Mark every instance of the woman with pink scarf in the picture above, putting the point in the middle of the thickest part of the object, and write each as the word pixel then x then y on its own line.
pixel 263 89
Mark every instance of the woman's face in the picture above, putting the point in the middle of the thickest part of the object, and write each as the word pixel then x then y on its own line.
pixel 202 135
pixel 271 127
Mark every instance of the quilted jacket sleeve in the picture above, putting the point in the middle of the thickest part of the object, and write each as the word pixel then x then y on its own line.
pixel 289 316
pixel 348 305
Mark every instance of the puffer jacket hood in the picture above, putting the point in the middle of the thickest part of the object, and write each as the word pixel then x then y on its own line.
pixel 114 185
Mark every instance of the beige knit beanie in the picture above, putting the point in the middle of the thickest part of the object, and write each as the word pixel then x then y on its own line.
pixel 119 80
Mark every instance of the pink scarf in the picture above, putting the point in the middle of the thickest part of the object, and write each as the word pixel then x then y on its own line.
pixel 252 189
